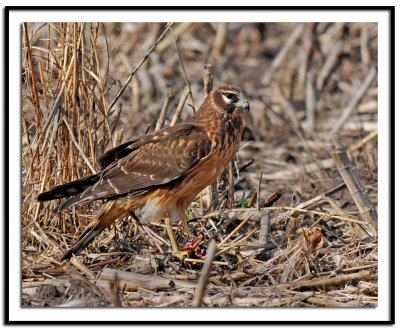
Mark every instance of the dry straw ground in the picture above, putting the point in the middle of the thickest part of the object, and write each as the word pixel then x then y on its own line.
pixel 315 246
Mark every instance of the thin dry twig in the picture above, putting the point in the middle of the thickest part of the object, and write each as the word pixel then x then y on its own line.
pixel 353 103
pixel 292 209
pixel 180 107
pixel 330 62
pixel 164 44
pixel 205 272
pixel 164 109
pixel 219 42
pixel 208 79
pixel 182 65
pixel 78 147
pixel 233 232
pixel 357 190
pixel 282 53
pixel 334 281
pixel 81 267
pixel 33 75
pixel 168 26
pixel 311 101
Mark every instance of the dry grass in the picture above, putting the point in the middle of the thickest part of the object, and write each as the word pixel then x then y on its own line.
pixel 316 246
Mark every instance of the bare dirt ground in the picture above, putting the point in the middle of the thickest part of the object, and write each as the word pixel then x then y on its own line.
pixel 293 218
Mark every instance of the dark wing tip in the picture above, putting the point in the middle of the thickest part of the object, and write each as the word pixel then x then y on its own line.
pixel 67 255
pixel 115 153
pixel 68 203
pixel 45 196
pixel 83 241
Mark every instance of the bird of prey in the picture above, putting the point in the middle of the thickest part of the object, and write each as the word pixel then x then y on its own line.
pixel 157 176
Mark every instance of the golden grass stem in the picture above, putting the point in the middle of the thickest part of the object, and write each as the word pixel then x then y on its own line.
pixel 180 107
pixel 234 231
pixel 77 146
pixel 319 213
pixel 237 243
pixel 33 75
pixel 164 109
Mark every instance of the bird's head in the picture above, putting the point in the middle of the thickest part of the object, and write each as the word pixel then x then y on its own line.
pixel 222 102
pixel 231 98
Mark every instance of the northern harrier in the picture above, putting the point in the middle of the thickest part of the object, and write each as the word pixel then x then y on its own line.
pixel 158 175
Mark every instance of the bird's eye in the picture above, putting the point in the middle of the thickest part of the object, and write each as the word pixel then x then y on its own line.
pixel 229 95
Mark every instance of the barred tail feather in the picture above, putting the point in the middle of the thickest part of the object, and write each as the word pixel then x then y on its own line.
pixel 108 213
pixel 69 189
pixel 84 239
pixel 73 201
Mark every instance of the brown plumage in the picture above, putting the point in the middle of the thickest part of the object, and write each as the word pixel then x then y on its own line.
pixel 158 175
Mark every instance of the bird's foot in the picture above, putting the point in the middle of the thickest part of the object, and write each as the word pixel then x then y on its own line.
pixel 180 254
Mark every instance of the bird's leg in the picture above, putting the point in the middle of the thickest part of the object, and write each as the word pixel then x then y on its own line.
pixel 136 219
pixel 185 226
pixel 181 254
pixel 182 217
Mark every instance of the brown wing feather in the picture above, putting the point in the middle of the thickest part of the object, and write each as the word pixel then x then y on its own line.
pixel 115 153
pixel 156 159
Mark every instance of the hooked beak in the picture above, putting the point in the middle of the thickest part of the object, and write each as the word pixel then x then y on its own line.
pixel 243 102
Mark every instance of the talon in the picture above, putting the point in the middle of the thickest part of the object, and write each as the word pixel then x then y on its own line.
pixel 180 254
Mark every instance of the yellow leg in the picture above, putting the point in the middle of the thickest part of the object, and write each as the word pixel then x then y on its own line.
pixel 181 254
pixel 182 217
